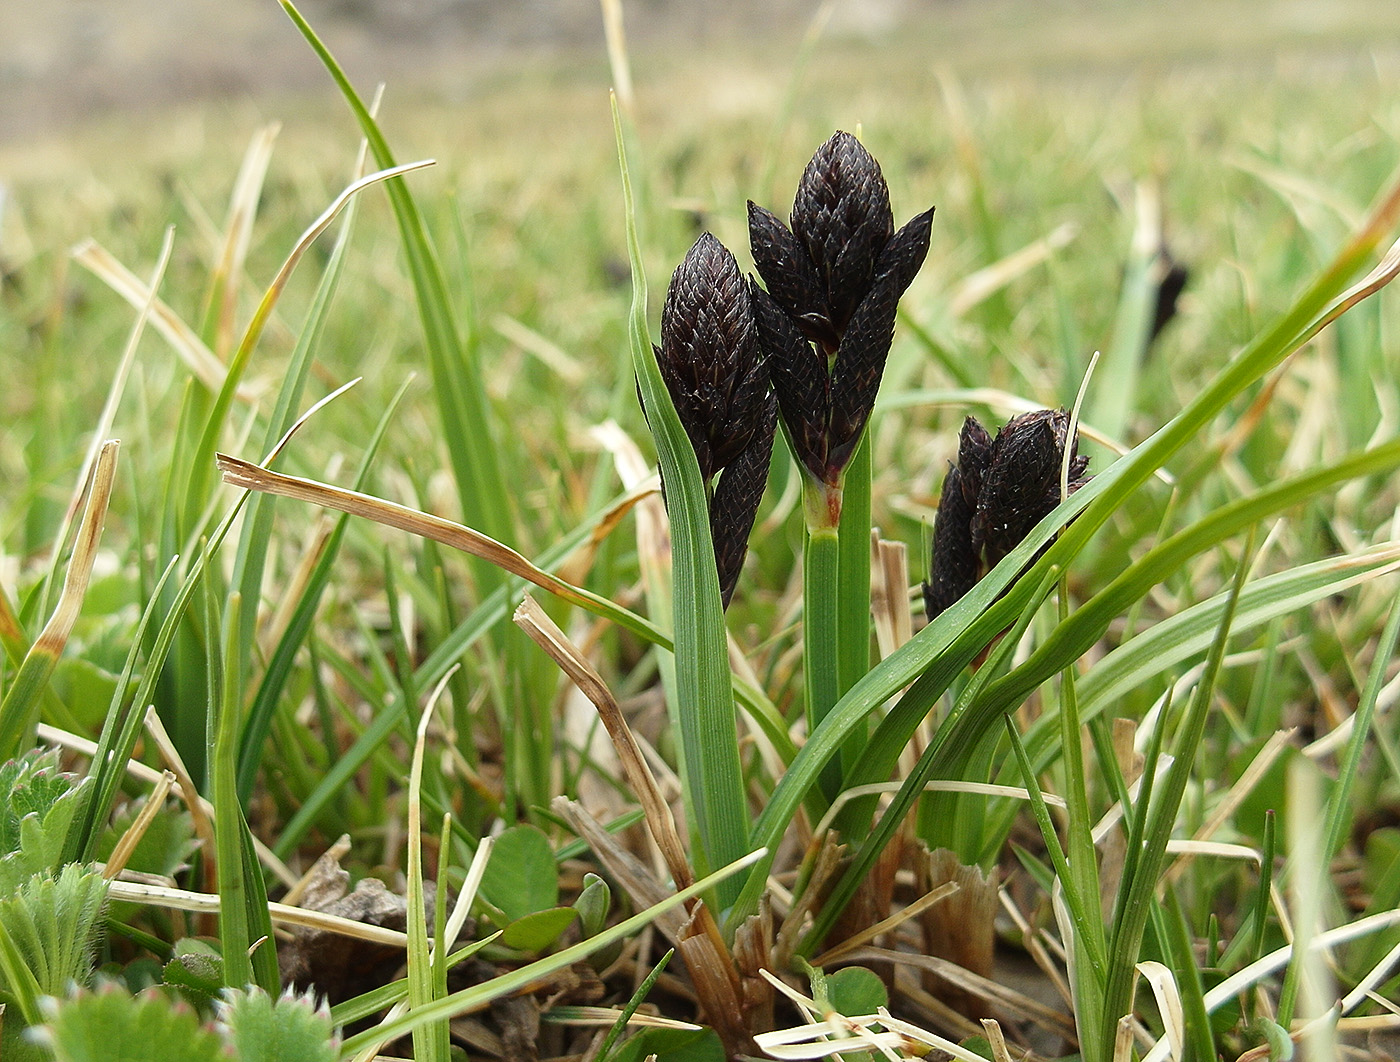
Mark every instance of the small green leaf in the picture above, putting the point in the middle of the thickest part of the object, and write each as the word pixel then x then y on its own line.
pixel 111 1026
pixel 197 974
pixel 592 904
pixel 537 931
pixel 36 808
pixel 48 929
pixel 854 990
pixel 291 1029
pixel 672 1045
pixel 1276 1036
pixel 522 877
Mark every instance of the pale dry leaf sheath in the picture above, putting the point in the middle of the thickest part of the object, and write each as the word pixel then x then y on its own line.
pixel 54 636
pixel 204 902
pixel 545 633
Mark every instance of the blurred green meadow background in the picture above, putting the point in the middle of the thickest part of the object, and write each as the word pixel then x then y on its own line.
pixel 1252 120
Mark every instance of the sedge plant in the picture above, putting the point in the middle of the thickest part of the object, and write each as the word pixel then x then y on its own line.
pixel 996 704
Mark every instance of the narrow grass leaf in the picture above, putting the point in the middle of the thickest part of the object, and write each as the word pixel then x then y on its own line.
pixel 604 1052
pixel 705 710
pixel 1190 1006
pixel 251 556
pixel 469 429
pixel 430 1040
pixel 258 722
pixel 20 708
pixel 201 467
pixel 1135 895
pixel 1083 907
pixel 1339 800
pixel 853 591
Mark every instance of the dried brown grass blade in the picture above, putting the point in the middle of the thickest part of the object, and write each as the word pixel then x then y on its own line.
pixel 126 844
pixel 616 37
pixel 545 633
pixel 190 349
pixel 245 474
pixel 208 903
pixel 636 880
pixel 1012 1001
pixel 716 979
pixel 961 930
pixel 894 921
pixel 1000 1052
pixel 825 861
pixel 889 593
pixel 238 231
pixel 54 636
pixel 753 954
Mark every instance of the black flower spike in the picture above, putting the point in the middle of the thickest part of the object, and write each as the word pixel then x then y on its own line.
pixel 735 501
pixel 709 355
pixel 834 281
pixel 999 489
pixel 712 364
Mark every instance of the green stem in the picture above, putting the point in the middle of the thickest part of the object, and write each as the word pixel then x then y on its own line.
pixel 821 562
pixel 853 590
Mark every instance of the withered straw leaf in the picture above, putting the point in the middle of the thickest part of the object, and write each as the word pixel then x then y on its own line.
pixel 545 633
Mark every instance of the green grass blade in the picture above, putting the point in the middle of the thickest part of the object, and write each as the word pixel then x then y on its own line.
pixel 1338 801
pixel 251 558
pixel 638 997
pixel 1088 924
pixel 245 925
pixel 705 712
pixel 469 431
pixel 1136 894
pixel 1083 860
pixel 1200 1040
pixel 235 934
pixel 107 770
pixel 258 722
pixel 431 1040
pixel 821 647
pixel 853 589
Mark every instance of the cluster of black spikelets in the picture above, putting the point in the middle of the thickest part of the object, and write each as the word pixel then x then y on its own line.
pixel 811 348
pixel 714 369
pixel 826 321
pixel 998 490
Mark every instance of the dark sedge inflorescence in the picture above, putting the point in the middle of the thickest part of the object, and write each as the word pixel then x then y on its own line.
pixel 998 490
pixel 834 281
pixel 713 368
pixel 810 349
